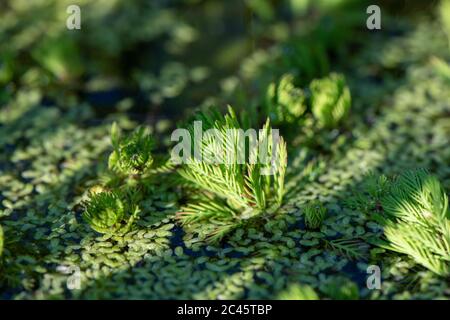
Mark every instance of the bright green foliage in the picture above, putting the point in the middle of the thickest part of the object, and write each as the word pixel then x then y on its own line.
pixel 107 212
pixel 314 214
pixel 330 100
pixel 132 154
pixel 113 205
pixel 399 121
pixel 244 180
pixel 340 288
pixel 115 202
pixel 298 292
pixel 285 103
pixel 1 240
pixel 416 220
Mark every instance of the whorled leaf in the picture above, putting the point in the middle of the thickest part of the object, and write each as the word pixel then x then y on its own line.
pixel 109 212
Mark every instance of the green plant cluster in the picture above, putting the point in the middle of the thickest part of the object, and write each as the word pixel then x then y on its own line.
pixel 233 190
pixel 114 205
pixel 285 102
pixel 412 210
pixel 132 154
pixel 109 212
pixel 314 214
pixel 329 101
pixel 240 179
pixel 416 220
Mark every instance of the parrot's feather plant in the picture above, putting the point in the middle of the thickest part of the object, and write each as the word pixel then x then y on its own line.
pixel 110 212
pixel 416 220
pixel 314 214
pixel 330 100
pixel 326 102
pixel 247 181
pixel 111 208
pixel 298 292
pixel 309 116
pixel 131 154
pixel 285 103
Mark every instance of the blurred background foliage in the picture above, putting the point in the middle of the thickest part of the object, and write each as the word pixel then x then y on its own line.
pixel 163 57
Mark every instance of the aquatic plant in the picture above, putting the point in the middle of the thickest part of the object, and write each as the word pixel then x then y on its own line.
pixel 354 249
pixel 110 212
pixel 113 205
pixel 367 197
pixel 244 184
pixel 314 213
pixel 311 112
pixel 415 220
pixel 285 103
pixel 132 154
pixel 330 100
